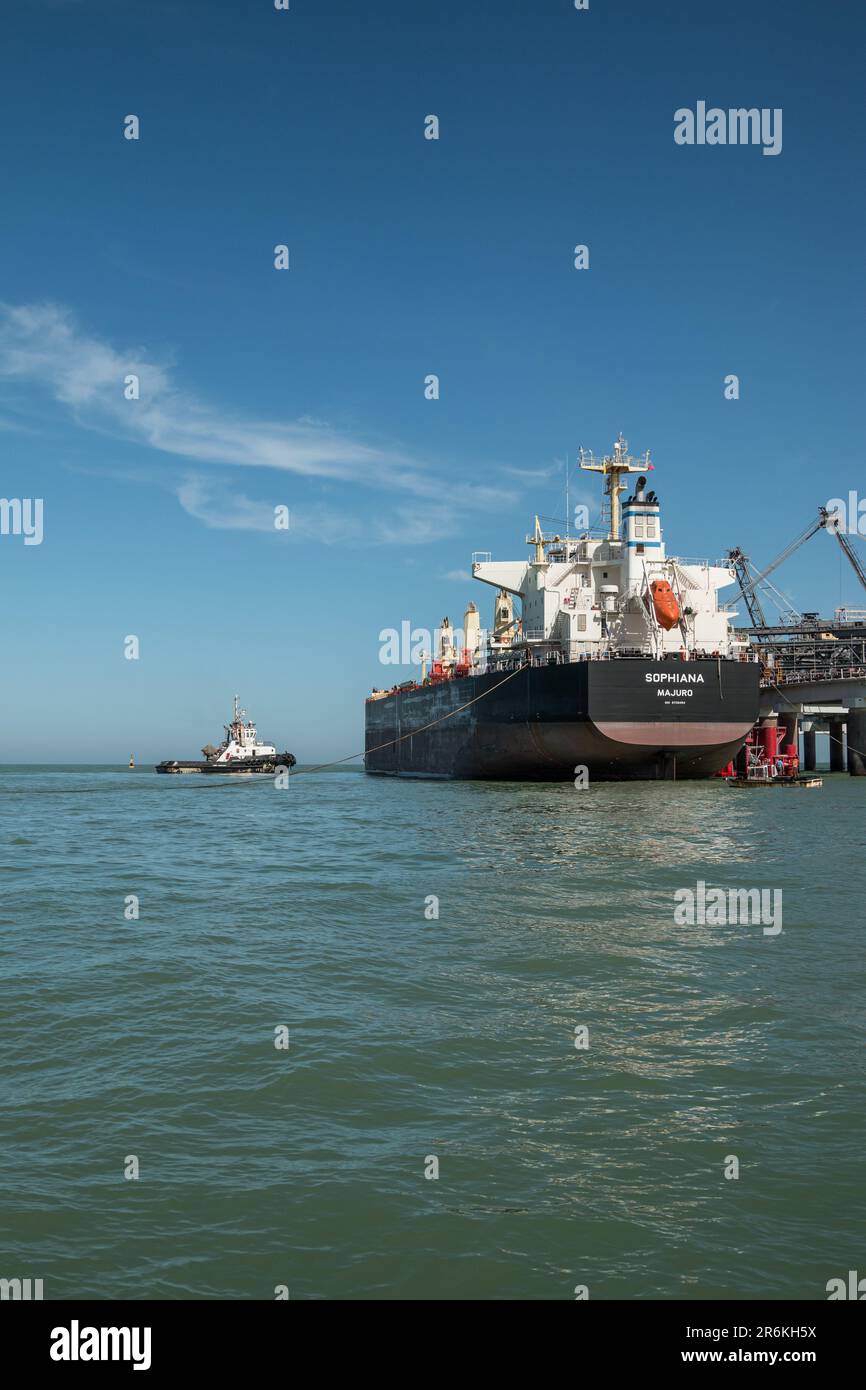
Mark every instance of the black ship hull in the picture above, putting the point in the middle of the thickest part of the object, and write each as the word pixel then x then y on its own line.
pixel 621 719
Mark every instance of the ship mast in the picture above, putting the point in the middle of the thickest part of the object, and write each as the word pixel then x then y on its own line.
pixel 613 466
pixel 567 511
pixel 234 729
pixel 537 539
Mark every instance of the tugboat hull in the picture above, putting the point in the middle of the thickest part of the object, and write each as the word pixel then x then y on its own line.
pixel 621 719
pixel 251 767
pixel 260 766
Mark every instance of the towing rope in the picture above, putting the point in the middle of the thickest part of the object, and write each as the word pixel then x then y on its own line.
pixel 391 742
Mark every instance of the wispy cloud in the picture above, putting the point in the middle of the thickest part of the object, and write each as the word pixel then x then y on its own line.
pixel 43 345
pixel 222 508
pixel 531 475
pixel 459 576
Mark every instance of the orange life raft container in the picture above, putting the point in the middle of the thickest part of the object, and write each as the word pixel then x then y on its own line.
pixel 667 609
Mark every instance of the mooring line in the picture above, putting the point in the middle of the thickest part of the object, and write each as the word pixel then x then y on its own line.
pixel 322 767
pixel 391 742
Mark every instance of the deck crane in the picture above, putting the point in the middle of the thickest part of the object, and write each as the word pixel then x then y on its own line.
pixel 831 520
pixel 749 579
pixel 742 567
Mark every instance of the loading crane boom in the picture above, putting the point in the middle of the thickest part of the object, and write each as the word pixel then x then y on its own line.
pixel 830 520
pixel 740 563
pixel 749 579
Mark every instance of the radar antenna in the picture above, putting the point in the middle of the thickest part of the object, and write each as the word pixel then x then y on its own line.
pixel 613 466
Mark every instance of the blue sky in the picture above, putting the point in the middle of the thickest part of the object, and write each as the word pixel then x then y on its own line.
pixel 408 257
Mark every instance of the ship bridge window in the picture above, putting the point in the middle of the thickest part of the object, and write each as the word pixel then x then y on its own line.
pixel 650 526
pixel 638 526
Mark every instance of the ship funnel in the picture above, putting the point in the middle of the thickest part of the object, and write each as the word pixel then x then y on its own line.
pixel 642 534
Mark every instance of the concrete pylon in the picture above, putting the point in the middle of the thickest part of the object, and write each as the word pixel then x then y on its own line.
pixel 790 725
pixel 857 742
pixel 810 751
pixel 837 751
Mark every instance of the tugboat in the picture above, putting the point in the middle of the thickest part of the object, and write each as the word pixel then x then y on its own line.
pixel 239 752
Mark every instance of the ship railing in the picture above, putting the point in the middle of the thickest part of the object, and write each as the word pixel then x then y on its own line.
pixel 579 652
pixel 701 562
pixel 557 656
pixel 812 674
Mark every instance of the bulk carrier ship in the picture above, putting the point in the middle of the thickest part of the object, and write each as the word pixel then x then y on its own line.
pixel 620 661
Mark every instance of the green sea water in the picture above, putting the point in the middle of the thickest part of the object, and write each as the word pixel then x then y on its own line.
pixel 420 1042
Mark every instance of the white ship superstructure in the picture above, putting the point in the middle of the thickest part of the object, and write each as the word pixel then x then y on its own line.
pixel 241 743
pixel 620 594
